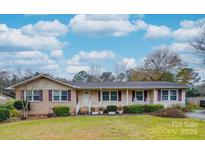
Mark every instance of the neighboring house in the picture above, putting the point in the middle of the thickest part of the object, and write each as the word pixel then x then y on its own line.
pixel 4 99
pixel 45 92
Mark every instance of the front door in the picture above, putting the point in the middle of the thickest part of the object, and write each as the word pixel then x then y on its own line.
pixel 86 98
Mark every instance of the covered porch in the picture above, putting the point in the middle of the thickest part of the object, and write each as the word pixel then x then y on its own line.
pixel 103 97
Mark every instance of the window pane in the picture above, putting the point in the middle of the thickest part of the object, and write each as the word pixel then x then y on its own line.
pixel 173 95
pixel 56 95
pixel 139 95
pixel 105 96
pixel 165 95
pixel 36 95
pixel 113 96
pixel 29 95
pixel 64 95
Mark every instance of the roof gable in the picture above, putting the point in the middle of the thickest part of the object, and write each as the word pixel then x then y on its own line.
pixel 37 78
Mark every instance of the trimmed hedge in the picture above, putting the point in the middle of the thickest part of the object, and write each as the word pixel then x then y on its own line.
pixel 153 107
pixel 61 111
pixel 111 108
pixel 4 114
pixel 141 108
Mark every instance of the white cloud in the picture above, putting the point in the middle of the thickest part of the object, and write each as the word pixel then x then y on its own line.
pixel 154 31
pixel 92 55
pixel 185 34
pixel 188 31
pixel 77 68
pixel 47 28
pixel 129 62
pixel 84 59
pixel 187 24
pixel 105 54
pixel 3 28
pixel 176 47
pixel 101 25
pixel 14 38
pixel 141 25
pixel 35 60
pixel 192 60
pixel 56 53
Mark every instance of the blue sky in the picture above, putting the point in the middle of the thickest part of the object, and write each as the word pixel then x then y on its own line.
pixel 65 44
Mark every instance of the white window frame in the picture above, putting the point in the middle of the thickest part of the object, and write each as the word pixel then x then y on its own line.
pixel 170 95
pixel 110 95
pixel 60 92
pixel 32 96
pixel 135 99
pixel 176 94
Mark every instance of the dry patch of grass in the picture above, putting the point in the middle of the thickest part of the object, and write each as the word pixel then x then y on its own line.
pixel 105 127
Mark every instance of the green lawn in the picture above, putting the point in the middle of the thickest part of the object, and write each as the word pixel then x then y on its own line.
pixel 105 127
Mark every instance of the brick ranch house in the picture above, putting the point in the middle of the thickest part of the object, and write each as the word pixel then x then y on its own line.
pixel 44 93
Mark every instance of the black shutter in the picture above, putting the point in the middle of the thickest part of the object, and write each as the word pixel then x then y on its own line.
pixel 159 95
pixel 119 96
pixel 133 95
pixel 99 96
pixel 180 95
pixel 69 95
pixel 145 95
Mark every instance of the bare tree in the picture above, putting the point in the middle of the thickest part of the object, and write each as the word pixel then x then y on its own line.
pixel 160 61
pixel 25 100
pixel 95 72
pixel 119 71
pixel 199 42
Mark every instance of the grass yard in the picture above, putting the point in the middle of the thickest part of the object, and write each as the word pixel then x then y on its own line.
pixel 105 127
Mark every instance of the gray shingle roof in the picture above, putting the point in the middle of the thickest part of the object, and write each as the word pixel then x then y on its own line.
pixel 107 85
pixel 125 85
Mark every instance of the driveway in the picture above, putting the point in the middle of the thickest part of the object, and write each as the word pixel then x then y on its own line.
pixel 198 114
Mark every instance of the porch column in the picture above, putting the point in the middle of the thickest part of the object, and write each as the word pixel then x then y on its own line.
pixel 127 97
pixel 155 96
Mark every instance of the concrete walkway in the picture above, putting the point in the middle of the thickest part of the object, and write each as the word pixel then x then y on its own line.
pixel 198 114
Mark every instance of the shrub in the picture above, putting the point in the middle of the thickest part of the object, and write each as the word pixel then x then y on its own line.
pixel 190 107
pixel 136 108
pixel 170 113
pixel 4 114
pixel 8 106
pixel 14 113
pixel 11 101
pixel 18 104
pixel 111 108
pixel 140 108
pixel 153 107
pixel 176 106
pixel 202 103
pixel 61 111
pixel 126 109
